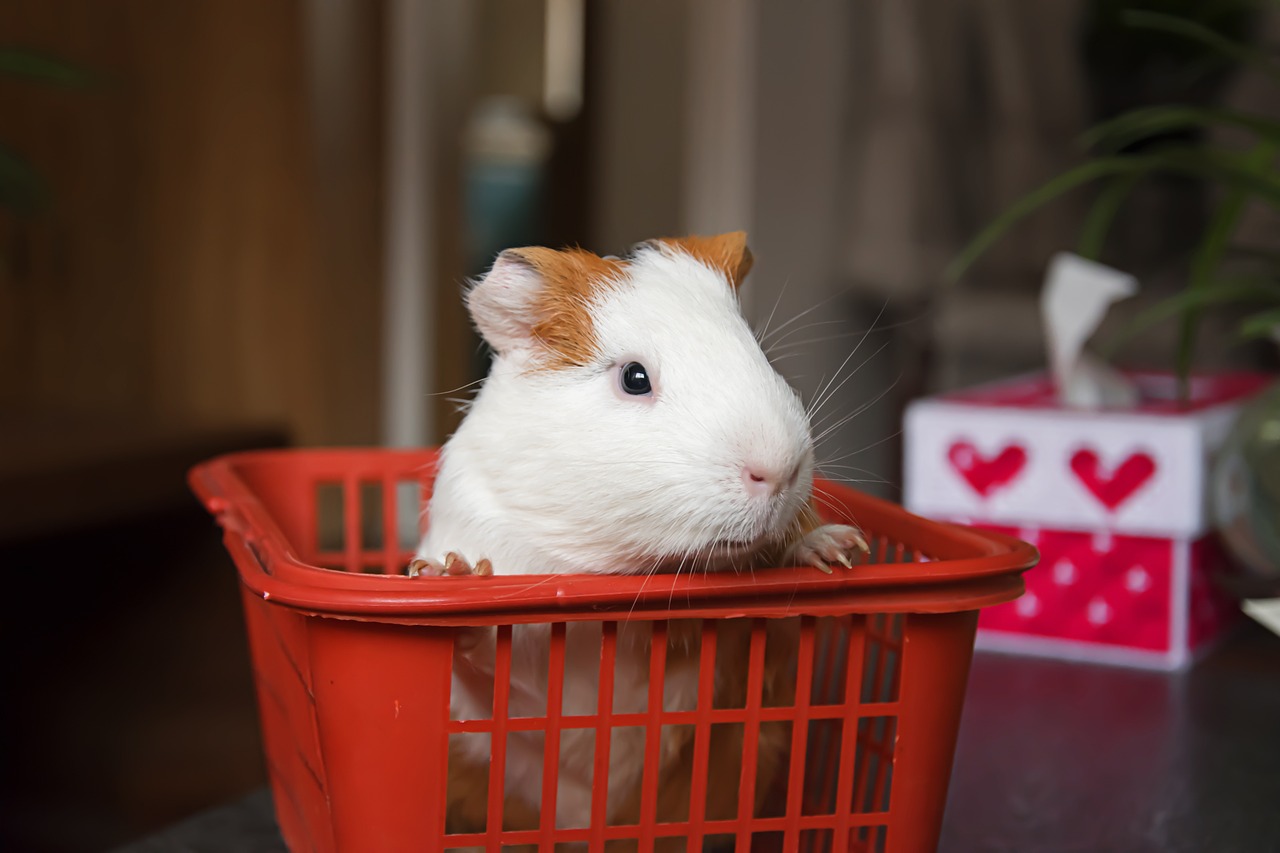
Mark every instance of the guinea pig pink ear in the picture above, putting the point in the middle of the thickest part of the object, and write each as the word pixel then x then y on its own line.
pixel 503 303
pixel 536 297
pixel 725 253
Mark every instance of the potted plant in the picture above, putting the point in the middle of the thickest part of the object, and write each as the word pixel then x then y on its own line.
pixel 1150 141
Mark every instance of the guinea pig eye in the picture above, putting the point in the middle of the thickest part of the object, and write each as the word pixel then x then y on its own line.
pixel 635 379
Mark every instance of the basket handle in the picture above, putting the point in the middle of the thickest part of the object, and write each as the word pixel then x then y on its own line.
pixel 222 495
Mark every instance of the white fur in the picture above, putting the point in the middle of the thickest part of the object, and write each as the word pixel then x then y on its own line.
pixel 554 471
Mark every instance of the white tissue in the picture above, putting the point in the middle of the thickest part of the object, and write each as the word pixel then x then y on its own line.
pixel 1076 296
pixel 1264 611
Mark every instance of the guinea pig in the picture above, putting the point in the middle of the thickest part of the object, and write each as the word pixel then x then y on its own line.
pixel 630 423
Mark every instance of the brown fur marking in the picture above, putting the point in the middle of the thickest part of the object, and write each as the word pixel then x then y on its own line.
pixel 571 277
pixel 725 253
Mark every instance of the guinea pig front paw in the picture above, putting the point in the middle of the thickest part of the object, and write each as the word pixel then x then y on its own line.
pixel 453 564
pixel 831 544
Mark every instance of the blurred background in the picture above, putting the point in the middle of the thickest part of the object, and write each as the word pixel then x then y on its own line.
pixel 233 223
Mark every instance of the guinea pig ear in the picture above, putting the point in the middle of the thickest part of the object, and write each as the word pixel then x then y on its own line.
pixel 503 303
pixel 726 253
pixel 537 297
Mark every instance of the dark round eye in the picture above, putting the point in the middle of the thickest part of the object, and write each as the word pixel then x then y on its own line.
pixel 635 379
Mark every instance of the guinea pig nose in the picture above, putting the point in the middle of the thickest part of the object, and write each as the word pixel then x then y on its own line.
pixel 760 481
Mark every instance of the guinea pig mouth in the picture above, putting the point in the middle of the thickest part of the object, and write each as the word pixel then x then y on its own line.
pixel 717 555
pixel 730 549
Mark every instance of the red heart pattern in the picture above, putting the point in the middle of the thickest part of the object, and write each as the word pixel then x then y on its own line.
pixel 986 475
pixel 1123 482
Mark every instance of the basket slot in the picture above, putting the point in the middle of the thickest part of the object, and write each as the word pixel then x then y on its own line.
pixel 882 669
pixel 410 514
pixel 371 516
pixel 702 733
pixel 799 740
pixel 328 536
pixel 369 502
pixel 854 654
pixel 403 521
pixel 884 549
pixel 751 731
pixel 498 756
pixel 873 766
pixel 389 509
pixel 604 712
pixel 351 533
pixel 815 841
pixel 653 733
pixel 551 747
pixel 870 839
pixel 362 525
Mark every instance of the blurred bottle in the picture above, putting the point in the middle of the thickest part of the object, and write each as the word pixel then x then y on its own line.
pixel 1246 496
pixel 507 152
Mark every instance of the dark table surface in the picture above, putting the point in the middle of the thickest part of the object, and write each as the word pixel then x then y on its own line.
pixel 1052 757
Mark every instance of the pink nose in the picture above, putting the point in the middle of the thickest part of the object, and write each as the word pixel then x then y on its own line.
pixel 763 482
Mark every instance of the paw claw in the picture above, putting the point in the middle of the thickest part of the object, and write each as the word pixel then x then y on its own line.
pixel 454 565
pixel 831 544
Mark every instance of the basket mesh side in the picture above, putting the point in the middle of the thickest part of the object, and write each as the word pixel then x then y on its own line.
pixel 753 763
pixel 369 524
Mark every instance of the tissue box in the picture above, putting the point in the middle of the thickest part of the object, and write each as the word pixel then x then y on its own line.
pixel 1116 501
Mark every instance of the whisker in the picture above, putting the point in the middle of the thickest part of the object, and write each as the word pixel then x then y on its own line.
pixel 763 332
pixel 887 327
pixel 873 479
pixel 471 384
pixel 806 312
pixel 824 393
pixel 773 346
pixel 876 443
pixel 832 391
pixel 862 408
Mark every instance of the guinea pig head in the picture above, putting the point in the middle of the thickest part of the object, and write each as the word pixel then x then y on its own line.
pixel 645 428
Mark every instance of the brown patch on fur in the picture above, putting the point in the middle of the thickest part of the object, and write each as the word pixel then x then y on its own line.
pixel 725 253
pixel 571 277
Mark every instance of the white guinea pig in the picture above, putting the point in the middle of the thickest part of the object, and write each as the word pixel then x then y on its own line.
pixel 630 424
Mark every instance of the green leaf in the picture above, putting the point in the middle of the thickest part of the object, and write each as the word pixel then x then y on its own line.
pixel 1260 325
pixel 32 65
pixel 1251 57
pixel 1256 289
pixel 1208 256
pixel 1232 170
pixel 1105 208
pixel 1031 202
pixel 1146 122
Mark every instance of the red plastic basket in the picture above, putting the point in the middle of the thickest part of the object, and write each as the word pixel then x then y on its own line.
pixel 353 665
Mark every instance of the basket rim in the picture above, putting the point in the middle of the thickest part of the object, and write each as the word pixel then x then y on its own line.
pixel 974 568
